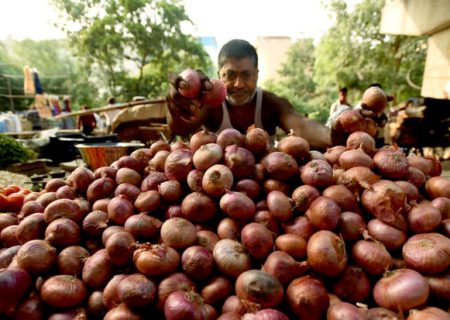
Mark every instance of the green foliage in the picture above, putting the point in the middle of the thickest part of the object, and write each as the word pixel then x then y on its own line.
pixel 59 72
pixel 12 151
pixel 130 46
pixel 353 53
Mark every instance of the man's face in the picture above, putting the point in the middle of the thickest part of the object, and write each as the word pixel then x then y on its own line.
pixel 240 78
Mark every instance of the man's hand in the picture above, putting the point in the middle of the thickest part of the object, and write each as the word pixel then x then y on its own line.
pixel 186 109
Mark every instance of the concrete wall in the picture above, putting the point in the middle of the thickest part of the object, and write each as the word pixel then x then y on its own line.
pixel 272 53
pixel 424 17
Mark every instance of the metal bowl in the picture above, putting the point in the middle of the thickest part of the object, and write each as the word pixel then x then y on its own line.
pixel 98 155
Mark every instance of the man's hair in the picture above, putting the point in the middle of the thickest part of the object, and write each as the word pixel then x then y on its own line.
pixel 237 49
pixel 343 90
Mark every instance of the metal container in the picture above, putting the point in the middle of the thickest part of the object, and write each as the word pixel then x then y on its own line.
pixel 98 155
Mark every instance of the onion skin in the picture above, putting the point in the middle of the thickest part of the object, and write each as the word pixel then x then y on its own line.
pixel 438 187
pixel 197 262
pixel 136 290
pixel 36 256
pixel 440 285
pixel 401 289
pixel 324 213
pixel 231 257
pixel 391 237
pixel 198 207
pixel 428 313
pixel 154 260
pixel 283 267
pixel 295 146
pixel 279 205
pixel 292 244
pixel 352 285
pixel 303 196
pixel 217 179
pixel 379 313
pixel 427 252
pixel 307 298
pixel 97 269
pixel 217 289
pixel 178 233
pixel 259 287
pixel 187 305
pixel 63 291
pixel 174 282
pixel 424 218
pixel 70 260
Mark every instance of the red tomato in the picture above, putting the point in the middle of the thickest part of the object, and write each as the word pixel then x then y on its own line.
pixel 3 203
pixel 11 189
pixel 15 202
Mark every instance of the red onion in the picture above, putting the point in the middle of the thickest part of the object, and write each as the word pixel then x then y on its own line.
pixel 259 287
pixel 240 161
pixel 283 267
pixel 401 289
pixel 152 181
pixel 120 209
pixel 382 314
pixel 300 226
pixel 16 283
pixel 257 239
pixel 317 173
pixel 127 189
pixel 159 160
pixel 292 244
pixel 352 285
pixel 427 252
pixel 249 187
pixel 297 147
pixel 95 223
pixel 307 298
pixel 438 187
pixel 170 191
pixel 194 180
pixel 391 237
pixel 122 312
pixel 148 201
pixel 276 185
pixel 200 138
pixel 332 154
pixel 266 314
pixel 143 226
pixel 216 290
pixel 158 146
pixel 230 228
pixel 54 184
pixel 7 255
pixel 372 256
pixel 266 218
pixel 345 311
pixel 207 155
pixel 357 179
pixel 207 239
pixel 178 233
pixel 281 166
pixel 136 290
pixel 154 260
pixel 363 140
pixel 62 208
pixel 237 205
pixel 120 248
pixel 324 213
pixel 30 228
pixel 230 136
pixel 36 256
pixel 187 305
pixel 217 180
pixel 27 209
pixel 178 164
pixel 198 207
pixel 351 226
pixel 354 158
pixel 443 204
pixel 82 177
pixel 257 141
pixel 391 163
pixel 31 308
pixel 63 232
pixel 128 175
pixel 197 262
pixel 280 205
pixel 100 188
pixel 326 253
pixel 174 282
pixel 303 196
pixel 97 269
pixel 71 260
pixel 351 120
pixel 428 313
pixel 110 294
pixel 63 291
pixel 343 197
pixel 105 172
pixel 8 236
pixel 231 257
pixel 423 218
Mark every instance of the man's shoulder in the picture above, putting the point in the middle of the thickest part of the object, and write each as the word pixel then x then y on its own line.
pixel 274 101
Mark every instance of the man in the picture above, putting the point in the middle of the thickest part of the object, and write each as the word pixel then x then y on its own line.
pixel 245 104
pixel 338 106
pixel 86 122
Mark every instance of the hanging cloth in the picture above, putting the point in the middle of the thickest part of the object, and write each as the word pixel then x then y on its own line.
pixel 28 82
pixel 66 101
pixel 37 82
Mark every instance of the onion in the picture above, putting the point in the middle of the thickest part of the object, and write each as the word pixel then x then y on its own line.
pixel 324 213
pixel 217 180
pixel 187 305
pixel 230 136
pixel 27 209
pixel 357 179
pixel 237 205
pixel 259 287
pixel 129 162
pixel 109 231
pixel 16 283
pixel 443 204
pixel 283 267
pixel 152 181
pixel 8 236
pixel 100 188
pixel 84 205
pixel 363 140
pixel 143 226
pixel 95 223
pixel 154 260
pixel 97 269
pixel 7 255
pixel 401 289
pixel 110 294
pixel 280 165
pixel 438 187
pixel 194 180
pixel 158 146
pixel 120 209
pixel 62 208
pixel 303 196
pixel 292 244
pixel 159 160
pixel 174 282
pixel 31 308
pixel 326 253
pixel 257 239
pixel 128 175
pixel 207 239
pixel 105 172
pixel 317 173
pixel 54 184
pixel 345 311
pixel 197 262
pixel 300 226
pixel 120 248
pixel 71 260
pixel 354 158
pixel 416 177
pixel 148 201
pixel 297 147
pixel 391 163
pixel 266 314
pixel 307 298
pixel 201 138
pixel 374 99
pixel 95 304
pixel 136 290
pixel 423 164
pixel 351 226
pixel 372 256
pixel 235 305
pixel 36 256
pixel 428 313
pixel 30 228
pixel 198 207
pixel 257 140
pixel 207 155
pixel 101 204
pixel 63 291
pixel 127 189
pixel 332 154
pixel 351 121
pixel 382 314
pixel 7 219
pixel 440 285
pixel 276 185
pixel 423 218
pixel 427 252
pixel 46 198
pixel 178 164
pixel 229 229
pixel 266 218
pixel 386 200
pixel 343 197
pixel 82 177
pixel 249 187
pixel 240 161
pixel 352 285
pixel 63 232
pixel 143 155
pixel 217 289
pixel 231 257
pixel 122 312
pixel 178 233
pixel 279 205
pixel 391 237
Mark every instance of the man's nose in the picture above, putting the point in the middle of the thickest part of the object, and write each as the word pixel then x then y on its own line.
pixel 238 82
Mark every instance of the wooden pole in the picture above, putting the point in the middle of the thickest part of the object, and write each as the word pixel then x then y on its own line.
pixel 108 108
pixel 11 100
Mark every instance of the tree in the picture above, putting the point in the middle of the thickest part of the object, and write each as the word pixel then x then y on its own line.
pixel 354 53
pixel 130 46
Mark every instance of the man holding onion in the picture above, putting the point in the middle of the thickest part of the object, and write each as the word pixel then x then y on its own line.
pixel 245 105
